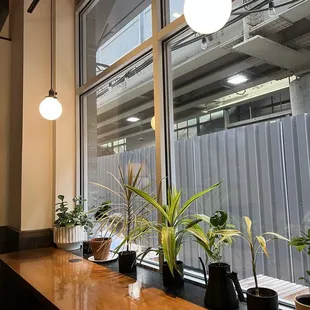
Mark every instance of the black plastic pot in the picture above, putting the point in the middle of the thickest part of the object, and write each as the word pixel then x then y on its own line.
pixel 267 299
pixel 127 261
pixel 176 280
pixel 302 302
pixel 87 248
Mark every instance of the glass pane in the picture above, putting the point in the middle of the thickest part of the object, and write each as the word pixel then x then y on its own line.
pixel 176 9
pixel 118 133
pixel 245 139
pixel 111 29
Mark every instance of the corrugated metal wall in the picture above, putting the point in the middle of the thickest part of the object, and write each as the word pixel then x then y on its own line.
pixel 265 170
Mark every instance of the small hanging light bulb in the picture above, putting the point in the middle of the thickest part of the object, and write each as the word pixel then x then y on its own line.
pixel 271 10
pixel 204 43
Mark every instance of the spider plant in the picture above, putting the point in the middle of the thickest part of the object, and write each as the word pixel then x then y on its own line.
pixel 257 243
pixel 130 207
pixel 175 225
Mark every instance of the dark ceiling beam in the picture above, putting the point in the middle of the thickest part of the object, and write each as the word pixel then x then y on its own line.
pixel 4 12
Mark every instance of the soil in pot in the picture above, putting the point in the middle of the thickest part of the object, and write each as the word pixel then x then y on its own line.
pixel 266 299
pixel 302 302
pixel 177 280
pixel 127 261
pixel 101 248
pixel 87 248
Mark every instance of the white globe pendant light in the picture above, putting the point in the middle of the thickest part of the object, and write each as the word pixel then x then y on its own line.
pixel 50 108
pixel 207 16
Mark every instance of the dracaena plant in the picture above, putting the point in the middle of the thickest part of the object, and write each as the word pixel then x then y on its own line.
pixel 175 223
pixel 218 234
pixel 130 206
pixel 256 244
pixel 302 244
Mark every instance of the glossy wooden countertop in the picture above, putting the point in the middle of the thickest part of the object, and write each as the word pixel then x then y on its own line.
pixel 85 285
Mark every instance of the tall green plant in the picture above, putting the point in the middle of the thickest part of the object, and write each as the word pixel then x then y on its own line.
pixel 175 226
pixel 130 206
pixel 257 243
pixel 302 244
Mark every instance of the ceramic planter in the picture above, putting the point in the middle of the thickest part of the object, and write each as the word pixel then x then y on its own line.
pixel 175 281
pixel 267 299
pixel 68 238
pixel 302 302
pixel 101 248
pixel 127 261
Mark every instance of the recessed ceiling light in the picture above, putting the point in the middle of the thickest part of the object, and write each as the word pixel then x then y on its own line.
pixel 133 119
pixel 176 15
pixel 237 79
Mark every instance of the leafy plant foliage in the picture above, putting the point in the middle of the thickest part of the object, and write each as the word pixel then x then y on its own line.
pixel 302 244
pixel 76 217
pixel 175 226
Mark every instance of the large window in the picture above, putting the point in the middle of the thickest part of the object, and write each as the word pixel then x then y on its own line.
pixel 231 127
pixel 230 106
pixel 117 133
pixel 111 29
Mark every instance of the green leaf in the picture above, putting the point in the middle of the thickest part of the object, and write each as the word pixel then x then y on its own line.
pixel 61 197
pixel 277 236
pixel 248 226
pixel 202 217
pixel 219 219
pixel 168 243
pixel 195 197
pixel 261 240
pixel 151 200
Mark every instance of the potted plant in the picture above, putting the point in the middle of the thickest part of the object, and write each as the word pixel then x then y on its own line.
pixel 302 244
pixel 132 210
pixel 110 225
pixel 222 284
pixel 259 298
pixel 68 228
pixel 174 227
pixel 98 212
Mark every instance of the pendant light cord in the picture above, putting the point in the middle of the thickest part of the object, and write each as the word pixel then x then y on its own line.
pixel 52 45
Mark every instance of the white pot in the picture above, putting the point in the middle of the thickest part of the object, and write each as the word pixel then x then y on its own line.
pixel 68 239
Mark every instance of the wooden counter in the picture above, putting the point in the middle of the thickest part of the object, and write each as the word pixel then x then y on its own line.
pixel 84 285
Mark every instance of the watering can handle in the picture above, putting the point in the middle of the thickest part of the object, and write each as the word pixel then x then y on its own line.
pixel 234 277
pixel 204 270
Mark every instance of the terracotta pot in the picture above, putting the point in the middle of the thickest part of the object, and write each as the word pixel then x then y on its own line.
pixel 302 302
pixel 101 248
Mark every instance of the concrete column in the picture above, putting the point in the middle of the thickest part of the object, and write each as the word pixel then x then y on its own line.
pixel 300 95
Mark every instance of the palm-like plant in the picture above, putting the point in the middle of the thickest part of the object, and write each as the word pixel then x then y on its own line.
pixel 130 207
pixel 175 225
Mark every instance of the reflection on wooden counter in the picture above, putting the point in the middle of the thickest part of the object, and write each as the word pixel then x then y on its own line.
pixel 85 285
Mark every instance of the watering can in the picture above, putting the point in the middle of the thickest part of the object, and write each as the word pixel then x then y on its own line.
pixel 222 287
